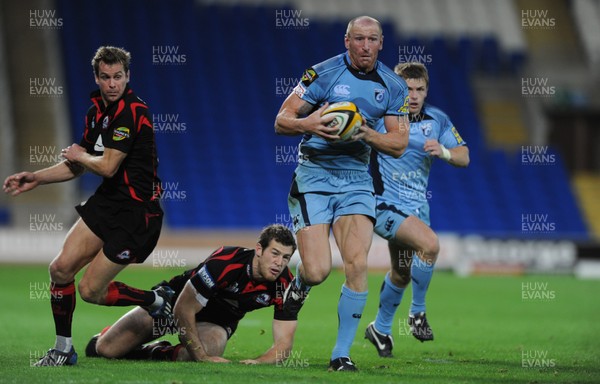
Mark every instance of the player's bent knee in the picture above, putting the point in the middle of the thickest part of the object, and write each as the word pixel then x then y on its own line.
pixel 314 277
pixel 88 294
pixel 432 248
pixel 428 248
pixel 356 265
pixel 102 348
pixel 60 272
pixel 105 349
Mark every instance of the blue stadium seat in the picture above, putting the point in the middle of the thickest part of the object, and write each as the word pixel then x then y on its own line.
pixel 4 216
pixel 226 95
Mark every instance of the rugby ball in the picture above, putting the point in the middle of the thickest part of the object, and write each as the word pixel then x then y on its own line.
pixel 347 118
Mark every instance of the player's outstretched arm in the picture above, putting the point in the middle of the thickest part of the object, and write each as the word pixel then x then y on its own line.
pixel 283 341
pixel 26 181
pixel 185 310
pixel 294 119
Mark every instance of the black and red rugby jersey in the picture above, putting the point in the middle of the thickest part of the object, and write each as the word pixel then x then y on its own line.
pixel 125 125
pixel 225 279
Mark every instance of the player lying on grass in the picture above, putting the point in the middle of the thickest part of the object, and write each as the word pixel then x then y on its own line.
pixel 209 302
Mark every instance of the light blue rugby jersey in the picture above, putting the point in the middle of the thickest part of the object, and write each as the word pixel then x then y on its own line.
pixel 376 94
pixel 404 180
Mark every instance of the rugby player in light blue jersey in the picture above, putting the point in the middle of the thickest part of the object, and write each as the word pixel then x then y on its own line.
pixel 403 209
pixel 331 187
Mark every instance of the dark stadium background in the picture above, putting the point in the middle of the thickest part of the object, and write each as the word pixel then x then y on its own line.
pixel 516 78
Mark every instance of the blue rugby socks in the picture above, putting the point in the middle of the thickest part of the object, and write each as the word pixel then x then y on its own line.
pixel 389 299
pixel 350 309
pixel 421 272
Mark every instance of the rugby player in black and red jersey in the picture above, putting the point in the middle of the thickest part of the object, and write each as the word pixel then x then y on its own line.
pixel 120 223
pixel 210 301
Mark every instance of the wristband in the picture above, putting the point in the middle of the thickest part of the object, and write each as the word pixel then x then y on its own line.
pixel 446 155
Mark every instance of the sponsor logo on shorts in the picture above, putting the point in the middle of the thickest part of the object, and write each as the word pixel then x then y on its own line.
pixel 124 255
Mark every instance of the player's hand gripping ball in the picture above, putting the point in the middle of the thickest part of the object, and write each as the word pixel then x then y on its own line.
pixel 347 118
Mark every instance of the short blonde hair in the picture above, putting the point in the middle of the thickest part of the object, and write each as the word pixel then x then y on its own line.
pixel 412 70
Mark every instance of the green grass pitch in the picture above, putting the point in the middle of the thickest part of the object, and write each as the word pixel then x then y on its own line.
pixel 523 329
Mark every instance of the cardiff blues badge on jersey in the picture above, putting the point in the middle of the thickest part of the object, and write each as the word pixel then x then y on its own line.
pixel 426 128
pixel 379 94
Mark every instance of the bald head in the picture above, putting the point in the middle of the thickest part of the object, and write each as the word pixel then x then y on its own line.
pixel 363 21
